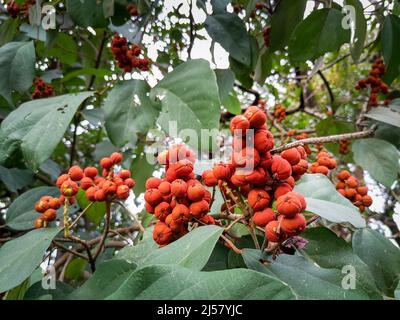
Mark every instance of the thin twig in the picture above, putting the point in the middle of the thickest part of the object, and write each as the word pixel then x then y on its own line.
pixel 230 243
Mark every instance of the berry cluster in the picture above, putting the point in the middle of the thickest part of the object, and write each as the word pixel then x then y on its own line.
pixel 128 58
pixel 266 33
pixel 279 113
pixel 257 174
pixel 344 146
pixel 177 199
pixel 15 10
pixel 350 187
pixel 42 89
pixel 375 82
pixel 111 186
pixel 132 9
pixel 325 162
pixel 47 206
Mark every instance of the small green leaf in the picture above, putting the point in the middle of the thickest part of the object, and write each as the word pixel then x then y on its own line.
pixel 97 210
pixel 232 103
pixel 379 158
pixel 225 81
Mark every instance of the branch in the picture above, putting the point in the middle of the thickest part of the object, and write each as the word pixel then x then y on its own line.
pixel 106 230
pixel 328 87
pixel 254 92
pixel 317 140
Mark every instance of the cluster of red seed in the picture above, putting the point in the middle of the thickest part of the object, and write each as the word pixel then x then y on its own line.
pixel 47 206
pixel 266 33
pixel 128 58
pixel 325 162
pixel 350 187
pixel 177 199
pixel 42 89
pixel 15 10
pixel 132 9
pixel 375 82
pixel 344 146
pixel 257 174
pixel 109 187
pixel 279 113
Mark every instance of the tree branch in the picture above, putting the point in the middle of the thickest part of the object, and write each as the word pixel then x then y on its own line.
pixel 333 138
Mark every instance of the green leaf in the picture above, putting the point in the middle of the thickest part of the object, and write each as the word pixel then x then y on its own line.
pixel 141 170
pixel 329 251
pixel 129 111
pixel 18 292
pixel 96 212
pixel 360 32
pixel 381 256
pixel 287 15
pixel 385 115
pixel 307 280
pixel 139 252
pixel 36 292
pixel 323 200
pixel 389 133
pixel 20 257
pixel 75 269
pixel 319 33
pixel 191 251
pixel 232 103
pixel 38 125
pixel 189 97
pixel 218 259
pixel 109 276
pixel 229 30
pixel 64 48
pixel 17 67
pixel 86 13
pixel 225 81
pixel 263 67
pixel 21 214
pixel 15 179
pixel 390 35
pixel 8 30
pixel 175 282
pixel 379 158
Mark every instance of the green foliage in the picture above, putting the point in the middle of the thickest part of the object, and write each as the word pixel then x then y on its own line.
pixel 324 200
pixel 390 46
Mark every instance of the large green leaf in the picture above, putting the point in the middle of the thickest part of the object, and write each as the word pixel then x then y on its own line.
pixel 15 179
pixel 192 250
pixel 319 33
pixel 329 251
pixel 323 200
pixel 391 46
pixel 128 111
pixel 360 31
pixel 284 20
pixel 17 67
pixel 86 13
pixel 229 30
pixel 38 125
pixel 108 277
pixel 20 257
pixel 389 133
pixel 189 98
pixel 307 280
pixel 21 214
pixel 170 282
pixel 385 115
pixel 380 158
pixel 381 256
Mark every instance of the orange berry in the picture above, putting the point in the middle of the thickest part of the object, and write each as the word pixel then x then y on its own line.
pixel 90 172
pixel 258 199
pixel 262 218
pixel 116 158
pixel 106 163
pixel 75 173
